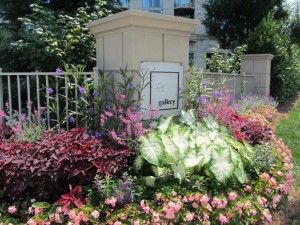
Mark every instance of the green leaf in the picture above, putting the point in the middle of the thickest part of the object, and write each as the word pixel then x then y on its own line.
pixel 138 163
pixel 181 141
pixel 151 149
pixel 192 159
pixel 188 117
pixel 172 153
pixel 163 127
pixel 179 171
pixel 41 205
pixel 160 171
pixel 150 181
pixel 240 174
pixel 221 165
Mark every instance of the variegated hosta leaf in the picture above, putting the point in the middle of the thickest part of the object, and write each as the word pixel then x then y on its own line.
pixel 151 149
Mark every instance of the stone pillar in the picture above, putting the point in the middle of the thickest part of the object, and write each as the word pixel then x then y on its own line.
pixel 151 42
pixel 258 65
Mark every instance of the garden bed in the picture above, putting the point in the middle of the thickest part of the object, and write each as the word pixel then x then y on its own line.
pixel 220 163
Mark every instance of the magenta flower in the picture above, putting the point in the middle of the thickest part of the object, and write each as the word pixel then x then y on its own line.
pixel 12 210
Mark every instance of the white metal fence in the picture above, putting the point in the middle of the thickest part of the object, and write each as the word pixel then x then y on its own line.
pixel 27 92
pixel 238 84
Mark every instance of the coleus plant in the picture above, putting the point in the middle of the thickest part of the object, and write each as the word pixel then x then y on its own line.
pixel 194 147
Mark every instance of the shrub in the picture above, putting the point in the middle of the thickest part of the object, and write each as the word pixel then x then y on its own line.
pixel 268 37
pixel 255 102
pixel 226 62
pixel 224 111
pixel 44 169
pixel 5 132
pixel 190 147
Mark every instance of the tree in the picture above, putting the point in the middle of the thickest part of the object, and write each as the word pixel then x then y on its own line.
pixel 268 37
pixel 294 24
pixel 231 21
pixel 47 39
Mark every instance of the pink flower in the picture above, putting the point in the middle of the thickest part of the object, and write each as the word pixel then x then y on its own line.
pixel 223 219
pixel 261 201
pixel 108 114
pixel 111 201
pixel 195 205
pixel 2 114
pixel 12 210
pixel 248 188
pixel 267 217
pixel 253 212
pixel 171 209
pixel 144 207
pixel 38 211
pixel 219 203
pixel 232 196
pixel 95 214
pixel 31 222
pixel 204 199
pixel 30 210
pixel 265 177
pixel 139 130
pixel 189 216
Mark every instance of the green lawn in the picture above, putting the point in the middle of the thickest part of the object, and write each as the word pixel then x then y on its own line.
pixel 289 130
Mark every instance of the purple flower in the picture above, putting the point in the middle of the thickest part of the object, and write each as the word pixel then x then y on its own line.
pixel 217 94
pixel 204 84
pixel 91 110
pixel 98 135
pixel 58 72
pixel 49 91
pixel 82 90
pixel 202 100
pixel 72 119
pixel 131 85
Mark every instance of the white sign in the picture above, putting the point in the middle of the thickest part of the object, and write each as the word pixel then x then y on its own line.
pixel 163 92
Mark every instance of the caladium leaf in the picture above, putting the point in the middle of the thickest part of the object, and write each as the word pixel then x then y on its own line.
pixel 221 165
pixel 179 171
pixel 150 181
pixel 240 173
pixel 151 149
pixel 188 117
pixel 192 159
pixel 172 153
pixel 163 127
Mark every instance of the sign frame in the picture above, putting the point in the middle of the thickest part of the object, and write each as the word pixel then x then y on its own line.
pixel 148 69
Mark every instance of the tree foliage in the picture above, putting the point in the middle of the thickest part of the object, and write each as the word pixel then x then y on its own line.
pixel 230 21
pixel 44 39
pixel 269 37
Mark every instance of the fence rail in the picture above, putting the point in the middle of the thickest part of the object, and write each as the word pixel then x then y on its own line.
pixel 28 92
pixel 25 92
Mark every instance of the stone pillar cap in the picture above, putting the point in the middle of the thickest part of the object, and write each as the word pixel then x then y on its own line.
pixel 257 56
pixel 131 18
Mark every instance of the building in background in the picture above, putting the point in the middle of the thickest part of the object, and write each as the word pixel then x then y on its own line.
pixel 201 44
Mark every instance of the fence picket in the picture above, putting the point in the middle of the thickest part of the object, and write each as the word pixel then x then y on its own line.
pixel 48 102
pixel 19 95
pixel 38 98
pixel 9 96
pixel 29 102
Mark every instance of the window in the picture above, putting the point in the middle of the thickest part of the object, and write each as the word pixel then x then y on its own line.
pixel 153 6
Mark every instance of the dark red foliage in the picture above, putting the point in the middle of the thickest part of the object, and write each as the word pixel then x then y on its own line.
pixel 44 170
pixel 242 128
pixel 5 132
pixel 72 198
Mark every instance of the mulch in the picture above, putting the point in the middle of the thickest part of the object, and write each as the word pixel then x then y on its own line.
pixel 289 104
